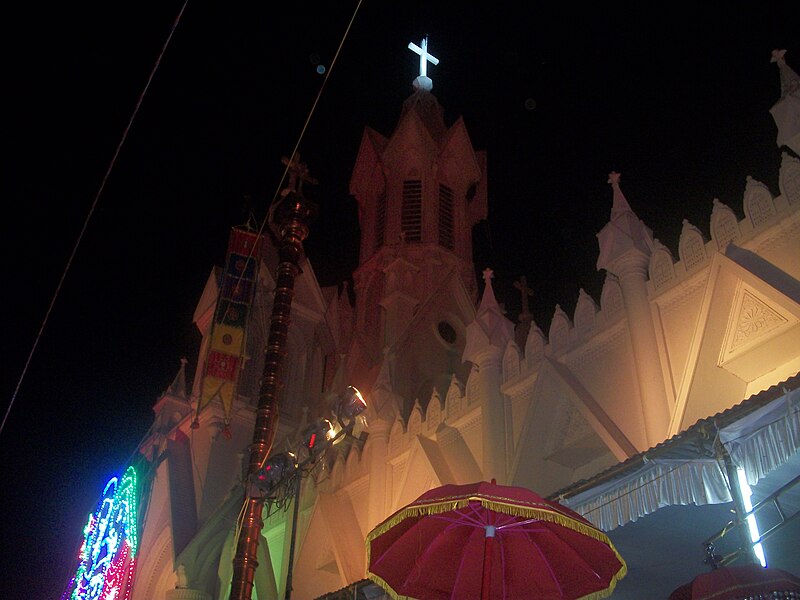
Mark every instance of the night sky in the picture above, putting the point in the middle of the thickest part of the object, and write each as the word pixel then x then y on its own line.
pixel 673 96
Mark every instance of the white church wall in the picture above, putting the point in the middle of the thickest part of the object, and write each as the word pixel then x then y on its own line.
pixel 677 314
pixel 605 368
pixel 155 571
pixel 356 492
pixel 519 393
pixel 317 565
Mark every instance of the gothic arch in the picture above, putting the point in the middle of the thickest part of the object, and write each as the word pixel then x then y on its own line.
pixel 585 314
pixel 433 416
pixel 724 225
pixel 789 178
pixel 415 421
pixel 472 391
pixel 758 204
pixel 559 330
pixel 691 247
pixel 397 436
pixel 511 361
pixel 452 402
pixel 611 298
pixel 662 266
pixel 534 346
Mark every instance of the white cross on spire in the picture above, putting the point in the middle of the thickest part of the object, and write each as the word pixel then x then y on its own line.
pixel 423 81
pixel 424 57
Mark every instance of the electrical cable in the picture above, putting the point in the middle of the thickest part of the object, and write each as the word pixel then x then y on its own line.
pixel 265 221
pixel 89 216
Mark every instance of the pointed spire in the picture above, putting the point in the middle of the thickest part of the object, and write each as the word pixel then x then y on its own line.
pixel 488 301
pixel 384 404
pixel 490 328
pixel 790 82
pixel 620 204
pixel 623 233
pixel 178 386
pixel 384 378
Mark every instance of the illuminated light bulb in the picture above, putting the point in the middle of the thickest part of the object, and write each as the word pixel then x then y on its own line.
pixel 752 525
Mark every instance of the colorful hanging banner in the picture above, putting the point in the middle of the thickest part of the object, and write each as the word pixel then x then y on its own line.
pixel 228 330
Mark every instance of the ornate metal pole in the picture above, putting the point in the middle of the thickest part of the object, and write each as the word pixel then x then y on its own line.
pixel 292 216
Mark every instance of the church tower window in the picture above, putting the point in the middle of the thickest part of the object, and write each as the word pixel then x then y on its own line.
pixel 447 332
pixel 446 238
pixel 411 220
pixel 380 221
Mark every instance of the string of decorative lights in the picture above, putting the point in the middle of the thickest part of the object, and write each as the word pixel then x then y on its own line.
pixel 107 557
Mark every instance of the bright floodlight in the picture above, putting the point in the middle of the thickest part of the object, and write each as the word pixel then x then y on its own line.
pixel 351 403
pixel 317 435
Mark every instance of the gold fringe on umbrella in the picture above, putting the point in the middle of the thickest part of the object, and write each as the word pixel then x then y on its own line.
pixel 508 506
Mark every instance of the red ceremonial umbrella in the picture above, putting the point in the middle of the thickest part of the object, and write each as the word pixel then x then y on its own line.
pixel 494 542
pixel 738 582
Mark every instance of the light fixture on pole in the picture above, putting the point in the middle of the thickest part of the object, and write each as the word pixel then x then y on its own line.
pixel 266 482
pixel 351 404
pixel 318 437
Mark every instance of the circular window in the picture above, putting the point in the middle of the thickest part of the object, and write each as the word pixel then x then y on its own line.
pixel 447 332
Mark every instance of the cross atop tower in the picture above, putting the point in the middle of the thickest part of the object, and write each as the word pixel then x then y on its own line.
pixel 423 81
pixel 298 173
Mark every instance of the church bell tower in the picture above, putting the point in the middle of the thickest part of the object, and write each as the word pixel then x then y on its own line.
pixel 420 191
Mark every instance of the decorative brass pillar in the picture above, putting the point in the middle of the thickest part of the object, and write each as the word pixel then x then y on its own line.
pixel 291 216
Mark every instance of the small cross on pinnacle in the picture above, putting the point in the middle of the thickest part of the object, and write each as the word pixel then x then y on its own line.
pixel 488 274
pixel 525 291
pixel 298 173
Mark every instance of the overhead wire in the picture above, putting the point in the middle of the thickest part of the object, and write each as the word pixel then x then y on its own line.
pixel 290 162
pixel 275 197
pixel 308 119
pixel 89 216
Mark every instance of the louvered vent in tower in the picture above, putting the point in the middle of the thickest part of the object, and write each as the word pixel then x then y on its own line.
pixel 411 221
pixel 380 221
pixel 446 217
